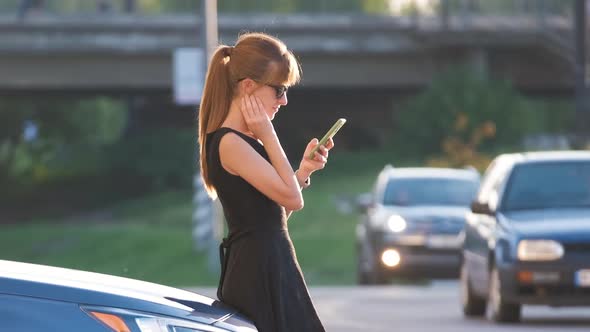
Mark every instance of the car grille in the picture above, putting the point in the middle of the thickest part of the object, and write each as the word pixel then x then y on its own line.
pixel 560 290
pixel 419 250
pixel 577 248
pixel 444 225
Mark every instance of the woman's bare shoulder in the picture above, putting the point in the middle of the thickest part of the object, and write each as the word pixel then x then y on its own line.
pixel 232 140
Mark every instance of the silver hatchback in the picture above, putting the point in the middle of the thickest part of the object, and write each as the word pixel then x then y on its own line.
pixel 412 224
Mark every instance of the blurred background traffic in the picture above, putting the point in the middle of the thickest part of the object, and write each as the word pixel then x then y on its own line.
pixel 98 109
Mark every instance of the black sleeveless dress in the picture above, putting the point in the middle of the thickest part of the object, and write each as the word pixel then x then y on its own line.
pixel 260 274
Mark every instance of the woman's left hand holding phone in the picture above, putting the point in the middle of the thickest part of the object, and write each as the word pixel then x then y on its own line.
pixel 307 166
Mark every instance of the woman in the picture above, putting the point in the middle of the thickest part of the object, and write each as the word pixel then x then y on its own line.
pixel 243 163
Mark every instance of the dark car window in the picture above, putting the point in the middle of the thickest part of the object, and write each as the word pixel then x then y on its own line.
pixel 548 185
pixel 429 191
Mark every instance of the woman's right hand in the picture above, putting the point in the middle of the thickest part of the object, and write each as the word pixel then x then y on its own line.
pixel 255 116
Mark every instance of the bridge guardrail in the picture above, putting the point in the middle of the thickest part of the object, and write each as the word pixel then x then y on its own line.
pixel 413 8
pixel 553 19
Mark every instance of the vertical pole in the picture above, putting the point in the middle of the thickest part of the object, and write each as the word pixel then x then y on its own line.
pixel 581 115
pixel 444 14
pixel 542 12
pixel 415 16
pixel 129 6
pixel 23 8
pixel 209 24
pixel 209 42
pixel 464 13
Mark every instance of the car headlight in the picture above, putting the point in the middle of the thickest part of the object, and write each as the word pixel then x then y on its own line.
pixel 121 320
pixel 152 324
pixel 539 250
pixel 396 223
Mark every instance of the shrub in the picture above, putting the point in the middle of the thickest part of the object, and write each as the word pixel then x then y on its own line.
pixel 160 158
pixel 428 120
pixel 59 138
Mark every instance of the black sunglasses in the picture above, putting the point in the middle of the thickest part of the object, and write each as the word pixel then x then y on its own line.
pixel 280 90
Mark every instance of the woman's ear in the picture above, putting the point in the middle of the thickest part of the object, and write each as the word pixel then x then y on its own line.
pixel 247 86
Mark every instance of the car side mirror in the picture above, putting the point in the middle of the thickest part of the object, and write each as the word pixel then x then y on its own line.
pixel 481 208
pixel 364 202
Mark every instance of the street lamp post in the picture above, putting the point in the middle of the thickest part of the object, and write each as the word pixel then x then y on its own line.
pixel 207 216
pixel 581 89
pixel 209 24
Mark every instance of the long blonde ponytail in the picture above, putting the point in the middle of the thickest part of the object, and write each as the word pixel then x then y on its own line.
pixel 217 97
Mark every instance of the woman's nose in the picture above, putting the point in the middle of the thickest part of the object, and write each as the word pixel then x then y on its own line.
pixel 283 100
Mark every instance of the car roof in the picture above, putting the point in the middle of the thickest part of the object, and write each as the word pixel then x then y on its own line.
pixel 546 156
pixel 431 172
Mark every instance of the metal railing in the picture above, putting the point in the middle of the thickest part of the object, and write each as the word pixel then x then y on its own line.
pixel 553 19
pixel 441 8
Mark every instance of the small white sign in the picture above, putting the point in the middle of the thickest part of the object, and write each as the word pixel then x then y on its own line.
pixel 189 76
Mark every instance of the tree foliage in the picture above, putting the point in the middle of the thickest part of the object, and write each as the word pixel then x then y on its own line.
pixel 460 101
pixel 39 140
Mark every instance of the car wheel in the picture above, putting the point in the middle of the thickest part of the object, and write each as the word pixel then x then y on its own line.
pixel 473 305
pixel 362 266
pixel 499 310
pixel 361 275
pixel 378 277
pixel 367 271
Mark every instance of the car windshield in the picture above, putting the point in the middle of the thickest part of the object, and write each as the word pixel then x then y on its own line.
pixel 548 185
pixel 430 191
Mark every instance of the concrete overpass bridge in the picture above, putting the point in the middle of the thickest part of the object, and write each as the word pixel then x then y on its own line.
pixel 359 67
pixel 133 53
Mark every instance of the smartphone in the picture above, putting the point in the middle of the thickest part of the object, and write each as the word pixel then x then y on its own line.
pixel 339 123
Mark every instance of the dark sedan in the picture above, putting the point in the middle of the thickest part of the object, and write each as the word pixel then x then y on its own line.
pixel 527 240
pixel 43 298
pixel 412 225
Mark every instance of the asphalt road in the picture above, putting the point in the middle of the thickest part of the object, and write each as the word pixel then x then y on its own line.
pixel 432 307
